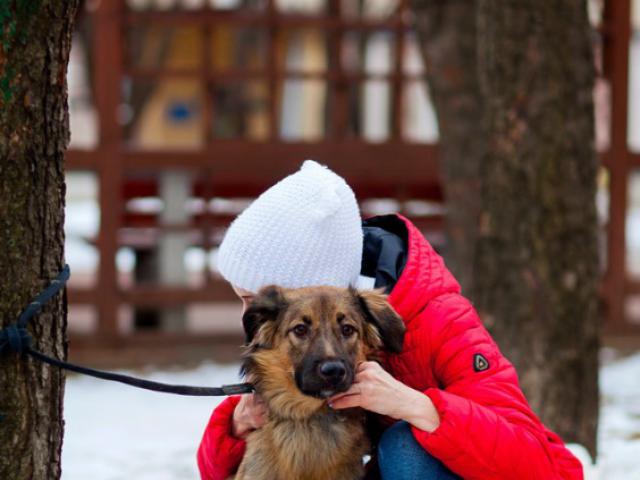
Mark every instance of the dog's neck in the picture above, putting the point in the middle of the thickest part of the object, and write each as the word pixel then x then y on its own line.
pixel 302 434
pixel 285 402
pixel 314 443
pixel 321 415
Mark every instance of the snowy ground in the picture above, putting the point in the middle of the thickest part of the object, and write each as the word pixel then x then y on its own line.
pixel 619 436
pixel 116 432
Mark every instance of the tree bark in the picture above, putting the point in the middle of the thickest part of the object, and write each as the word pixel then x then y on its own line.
pixel 447 32
pixel 34 132
pixel 512 86
pixel 537 275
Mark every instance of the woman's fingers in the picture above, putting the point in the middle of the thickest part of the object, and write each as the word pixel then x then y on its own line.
pixel 250 413
pixel 256 400
pixel 363 367
pixel 368 365
pixel 258 412
pixel 346 401
pixel 353 391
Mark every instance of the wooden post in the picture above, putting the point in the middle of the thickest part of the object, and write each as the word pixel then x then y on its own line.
pixel 617 17
pixel 398 80
pixel 107 65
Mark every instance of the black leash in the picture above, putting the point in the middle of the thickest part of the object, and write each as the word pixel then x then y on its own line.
pixel 16 337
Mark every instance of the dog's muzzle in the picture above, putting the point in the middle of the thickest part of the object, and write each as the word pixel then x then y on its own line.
pixel 332 371
pixel 324 378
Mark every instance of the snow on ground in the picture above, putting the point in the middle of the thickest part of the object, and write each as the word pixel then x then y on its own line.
pixel 619 435
pixel 115 432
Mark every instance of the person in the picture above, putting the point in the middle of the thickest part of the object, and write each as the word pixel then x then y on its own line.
pixel 460 411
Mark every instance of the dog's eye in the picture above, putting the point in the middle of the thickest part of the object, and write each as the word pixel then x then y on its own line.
pixel 347 330
pixel 300 330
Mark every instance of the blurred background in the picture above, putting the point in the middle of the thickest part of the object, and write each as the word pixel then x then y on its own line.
pixel 183 111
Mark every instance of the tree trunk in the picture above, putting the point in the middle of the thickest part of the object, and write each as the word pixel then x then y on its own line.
pixel 34 132
pixel 447 31
pixel 537 275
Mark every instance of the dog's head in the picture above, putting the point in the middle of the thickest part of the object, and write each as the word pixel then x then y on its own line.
pixel 303 345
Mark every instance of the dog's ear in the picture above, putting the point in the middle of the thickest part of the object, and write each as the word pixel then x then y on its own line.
pixel 265 306
pixel 382 317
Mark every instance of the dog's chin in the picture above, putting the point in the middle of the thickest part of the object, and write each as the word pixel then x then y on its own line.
pixel 324 392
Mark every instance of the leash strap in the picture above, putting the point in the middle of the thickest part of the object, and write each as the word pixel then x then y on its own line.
pixel 15 337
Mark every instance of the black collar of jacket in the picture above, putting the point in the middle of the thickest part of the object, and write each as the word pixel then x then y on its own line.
pixel 385 250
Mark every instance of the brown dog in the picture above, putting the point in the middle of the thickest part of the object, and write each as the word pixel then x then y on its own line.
pixel 303 346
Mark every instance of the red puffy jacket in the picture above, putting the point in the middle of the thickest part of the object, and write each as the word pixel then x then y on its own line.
pixel 487 429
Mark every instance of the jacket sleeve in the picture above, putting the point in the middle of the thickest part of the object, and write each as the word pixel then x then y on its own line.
pixel 487 428
pixel 220 453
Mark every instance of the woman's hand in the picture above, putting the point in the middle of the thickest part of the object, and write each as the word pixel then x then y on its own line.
pixel 376 390
pixel 250 414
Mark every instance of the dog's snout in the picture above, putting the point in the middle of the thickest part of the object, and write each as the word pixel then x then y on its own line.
pixel 325 376
pixel 333 371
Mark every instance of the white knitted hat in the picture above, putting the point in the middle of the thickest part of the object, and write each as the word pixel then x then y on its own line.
pixel 305 230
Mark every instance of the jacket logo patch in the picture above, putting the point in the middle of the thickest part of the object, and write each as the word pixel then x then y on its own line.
pixel 480 364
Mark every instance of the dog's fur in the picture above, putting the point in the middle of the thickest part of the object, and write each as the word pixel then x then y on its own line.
pixel 304 439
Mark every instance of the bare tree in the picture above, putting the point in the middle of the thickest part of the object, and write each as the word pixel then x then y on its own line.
pixel 34 132
pixel 534 276
pixel 448 39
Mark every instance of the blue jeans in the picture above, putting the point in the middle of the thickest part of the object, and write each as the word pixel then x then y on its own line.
pixel 401 457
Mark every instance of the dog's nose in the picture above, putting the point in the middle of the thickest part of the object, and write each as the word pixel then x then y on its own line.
pixel 333 371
